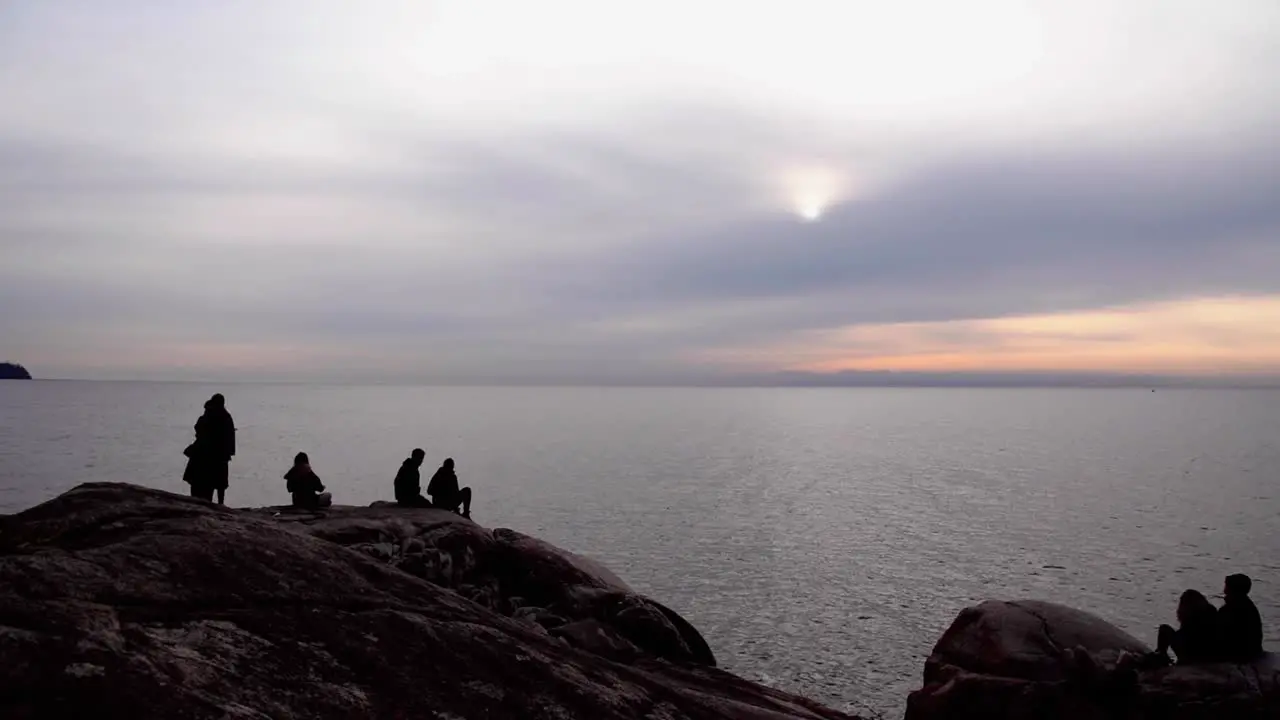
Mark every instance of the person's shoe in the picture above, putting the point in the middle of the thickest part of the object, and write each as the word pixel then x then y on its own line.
pixel 466 514
pixel 1153 661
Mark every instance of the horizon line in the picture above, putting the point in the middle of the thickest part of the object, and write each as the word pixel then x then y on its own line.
pixel 897 381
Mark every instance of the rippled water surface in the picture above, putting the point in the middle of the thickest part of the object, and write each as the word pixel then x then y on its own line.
pixel 821 539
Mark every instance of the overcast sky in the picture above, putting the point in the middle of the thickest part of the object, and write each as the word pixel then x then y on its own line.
pixel 693 190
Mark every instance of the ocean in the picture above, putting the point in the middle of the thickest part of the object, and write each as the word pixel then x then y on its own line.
pixel 820 539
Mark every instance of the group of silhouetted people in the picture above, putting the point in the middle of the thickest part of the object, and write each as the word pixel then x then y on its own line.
pixel 443 487
pixel 1232 633
pixel 209 460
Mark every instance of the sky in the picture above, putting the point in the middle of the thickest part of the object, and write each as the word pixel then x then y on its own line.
pixel 702 191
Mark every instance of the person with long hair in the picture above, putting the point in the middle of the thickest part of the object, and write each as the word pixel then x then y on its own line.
pixel 1196 640
pixel 304 485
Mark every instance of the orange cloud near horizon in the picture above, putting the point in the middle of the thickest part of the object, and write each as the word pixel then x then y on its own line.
pixel 1231 335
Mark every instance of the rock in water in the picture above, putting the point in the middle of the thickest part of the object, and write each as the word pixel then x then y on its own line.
pixel 11 371
pixel 1028 640
pixel 122 602
pixel 1031 659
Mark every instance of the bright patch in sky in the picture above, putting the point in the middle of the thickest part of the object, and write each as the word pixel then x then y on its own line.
pixel 810 211
pixel 811 191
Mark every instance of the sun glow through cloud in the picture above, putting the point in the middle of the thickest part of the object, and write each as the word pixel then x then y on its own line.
pixel 811 191
pixel 810 210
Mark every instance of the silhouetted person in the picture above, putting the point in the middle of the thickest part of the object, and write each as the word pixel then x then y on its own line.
pixel 409 481
pixel 305 486
pixel 1196 639
pixel 1239 624
pixel 444 490
pixel 210 455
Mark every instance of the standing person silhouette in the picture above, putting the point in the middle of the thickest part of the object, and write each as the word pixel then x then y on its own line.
pixel 209 457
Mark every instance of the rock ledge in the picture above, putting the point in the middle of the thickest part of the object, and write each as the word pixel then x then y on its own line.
pixel 122 602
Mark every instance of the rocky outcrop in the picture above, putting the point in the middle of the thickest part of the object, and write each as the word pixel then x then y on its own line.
pixel 117 601
pixel 1029 640
pixel 511 574
pixel 10 371
pixel 1030 659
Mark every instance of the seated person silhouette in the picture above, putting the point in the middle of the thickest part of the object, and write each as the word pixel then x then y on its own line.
pixel 305 486
pixel 1196 639
pixel 444 490
pixel 409 481
pixel 1239 624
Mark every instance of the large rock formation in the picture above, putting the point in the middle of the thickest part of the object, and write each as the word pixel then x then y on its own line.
pixel 117 601
pixel 1030 659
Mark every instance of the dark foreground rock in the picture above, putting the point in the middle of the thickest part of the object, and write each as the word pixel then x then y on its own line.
pixel 122 602
pixel 551 590
pixel 1030 659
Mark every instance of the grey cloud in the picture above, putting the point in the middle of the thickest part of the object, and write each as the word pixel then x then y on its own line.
pixel 609 253
pixel 987 237
pixel 1111 227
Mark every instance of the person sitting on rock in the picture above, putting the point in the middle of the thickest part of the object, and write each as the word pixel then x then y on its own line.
pixel 1196 639
pixel 444 490
pixel 305 486
pixel 1239 624
pixel 409 481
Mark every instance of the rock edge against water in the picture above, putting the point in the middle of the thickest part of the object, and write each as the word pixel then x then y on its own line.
pixel 122 602
pixel 1037 660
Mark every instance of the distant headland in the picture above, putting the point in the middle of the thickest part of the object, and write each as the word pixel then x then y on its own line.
pixel 10 371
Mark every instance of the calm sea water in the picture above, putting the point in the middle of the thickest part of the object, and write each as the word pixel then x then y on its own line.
pixel 821 539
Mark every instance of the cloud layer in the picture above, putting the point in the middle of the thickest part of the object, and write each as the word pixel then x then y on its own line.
pixel 489 192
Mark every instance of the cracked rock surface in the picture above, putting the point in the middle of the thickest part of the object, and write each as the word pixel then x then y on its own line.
pixel 1010 660
pixel 123 602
